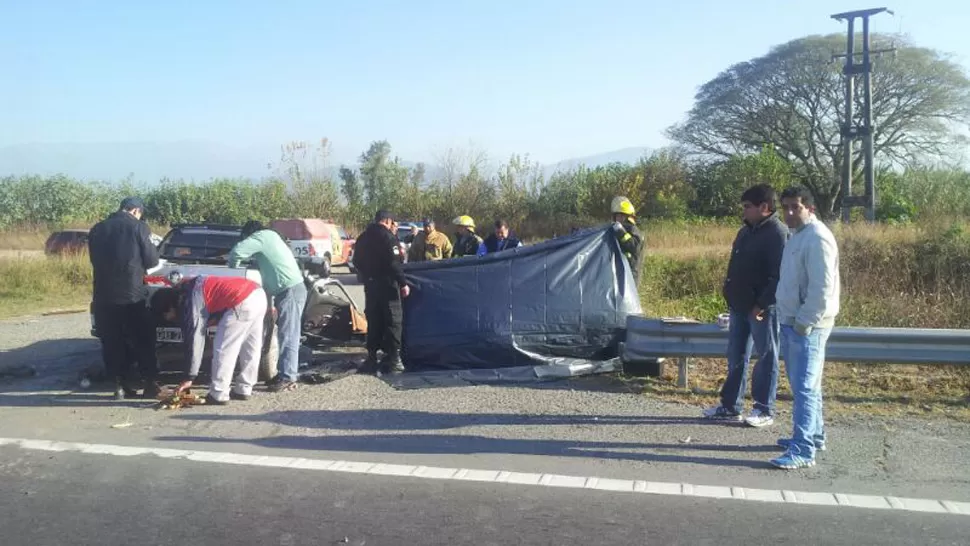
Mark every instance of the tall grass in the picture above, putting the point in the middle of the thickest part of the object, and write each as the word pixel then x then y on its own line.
pixel 892 276
pixel 30 285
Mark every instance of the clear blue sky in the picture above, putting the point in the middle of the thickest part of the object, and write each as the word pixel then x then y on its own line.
pixel 556 79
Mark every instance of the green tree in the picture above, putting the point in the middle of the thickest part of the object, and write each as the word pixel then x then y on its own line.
pixel 384 178
pixel 793 97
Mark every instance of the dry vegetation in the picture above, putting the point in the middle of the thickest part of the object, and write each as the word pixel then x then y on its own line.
pixel 892 276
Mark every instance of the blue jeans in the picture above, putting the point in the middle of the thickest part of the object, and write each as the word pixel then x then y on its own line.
pixel 804 361
pixel 745 333
pixel 289 308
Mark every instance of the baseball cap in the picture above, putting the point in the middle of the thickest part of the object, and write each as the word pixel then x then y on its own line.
pixel 129 203
pixel 383 215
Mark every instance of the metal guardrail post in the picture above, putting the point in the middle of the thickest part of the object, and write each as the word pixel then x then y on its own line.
pixel 683 364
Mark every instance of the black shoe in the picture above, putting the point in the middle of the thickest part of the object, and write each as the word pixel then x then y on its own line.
pixel 210 401
pixel 123 391
pixel 369 367
pixel 152 390
pixel 233 395
pixel 392 365
pixel 282 385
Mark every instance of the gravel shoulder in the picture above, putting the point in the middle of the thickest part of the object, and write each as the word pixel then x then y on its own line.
pixel 595 426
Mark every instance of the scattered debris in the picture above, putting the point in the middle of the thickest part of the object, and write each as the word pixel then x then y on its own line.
pixel 686 440
pixel 170 400
pixel 122 425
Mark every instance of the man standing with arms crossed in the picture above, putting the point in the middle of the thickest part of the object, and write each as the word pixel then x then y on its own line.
pixel 121 252
pixel 283 281
pixel 749 290
pixel 808 302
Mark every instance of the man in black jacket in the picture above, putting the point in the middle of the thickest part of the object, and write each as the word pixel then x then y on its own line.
pixel 501 239
pixel 377 257
pixel 749 290
pixel 121 252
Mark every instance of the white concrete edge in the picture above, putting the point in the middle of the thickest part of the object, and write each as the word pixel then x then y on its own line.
pixel 836 500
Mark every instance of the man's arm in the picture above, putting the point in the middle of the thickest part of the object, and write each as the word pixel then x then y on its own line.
pixel 446 249
pixel 820 263
pixel 194 324
pixel 629 240
pixel 244 250
pixel 149 254
pixel 416 249
pixel 773 251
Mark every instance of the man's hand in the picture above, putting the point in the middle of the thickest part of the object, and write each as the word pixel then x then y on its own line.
pixel 405 291
pixel 618 228
pixel 758 313
pixel 183 386
pixel 802 329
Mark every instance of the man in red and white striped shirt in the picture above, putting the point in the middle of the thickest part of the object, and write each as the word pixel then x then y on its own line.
pixel 242 305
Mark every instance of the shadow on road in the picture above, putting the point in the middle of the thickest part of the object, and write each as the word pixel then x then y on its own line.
pixel 391 419
pixel 433 444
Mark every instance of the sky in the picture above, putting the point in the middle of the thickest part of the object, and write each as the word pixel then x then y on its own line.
pixel 555 79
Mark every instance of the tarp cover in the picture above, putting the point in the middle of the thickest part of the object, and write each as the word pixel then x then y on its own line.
pixel 562 302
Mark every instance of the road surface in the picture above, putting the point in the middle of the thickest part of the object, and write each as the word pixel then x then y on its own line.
pixel 584 461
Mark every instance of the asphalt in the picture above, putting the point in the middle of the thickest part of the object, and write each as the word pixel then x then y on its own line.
pixel 594 427
pixel 64 498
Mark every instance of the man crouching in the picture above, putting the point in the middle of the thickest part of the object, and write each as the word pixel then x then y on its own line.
pixel 242 305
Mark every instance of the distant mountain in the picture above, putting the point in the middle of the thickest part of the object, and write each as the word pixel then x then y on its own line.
pixel 150 162
pixel 146 161
pixel 626 155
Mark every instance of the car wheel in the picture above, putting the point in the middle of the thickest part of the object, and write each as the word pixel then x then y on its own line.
pixel 270 356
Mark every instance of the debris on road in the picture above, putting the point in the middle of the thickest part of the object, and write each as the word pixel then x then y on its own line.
pixel 170 400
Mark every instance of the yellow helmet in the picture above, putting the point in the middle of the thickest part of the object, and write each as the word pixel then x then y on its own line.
pixel 464 221
pixel 622 205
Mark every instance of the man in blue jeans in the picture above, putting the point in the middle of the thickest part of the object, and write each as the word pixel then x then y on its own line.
pixel 283 281
pixel 808 303
pixel 749 290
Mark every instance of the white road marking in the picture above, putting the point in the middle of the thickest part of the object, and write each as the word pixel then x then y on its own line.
pixel 872 502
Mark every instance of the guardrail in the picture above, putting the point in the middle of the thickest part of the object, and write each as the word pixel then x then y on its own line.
pixel 650 339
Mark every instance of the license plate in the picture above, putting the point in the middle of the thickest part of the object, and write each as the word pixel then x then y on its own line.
pixel 174 335
pixel 168 335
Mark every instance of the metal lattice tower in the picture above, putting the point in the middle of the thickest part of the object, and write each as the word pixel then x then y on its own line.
pixel 853 129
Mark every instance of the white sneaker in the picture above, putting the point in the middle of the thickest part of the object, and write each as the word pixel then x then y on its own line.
pixel 759 419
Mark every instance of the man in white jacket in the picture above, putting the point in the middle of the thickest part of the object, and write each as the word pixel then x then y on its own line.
pixel 807 302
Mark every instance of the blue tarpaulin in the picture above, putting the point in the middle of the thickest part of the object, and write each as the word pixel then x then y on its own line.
pixel 562 302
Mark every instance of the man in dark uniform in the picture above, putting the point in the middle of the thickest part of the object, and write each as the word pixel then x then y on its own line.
pixel 121 252
pixel 627 233
pixel 377 257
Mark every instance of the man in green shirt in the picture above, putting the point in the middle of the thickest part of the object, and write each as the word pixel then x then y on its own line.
pixel 283 282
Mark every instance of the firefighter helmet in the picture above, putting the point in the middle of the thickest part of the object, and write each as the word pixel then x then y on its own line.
pixel 464 221
pixel 622 205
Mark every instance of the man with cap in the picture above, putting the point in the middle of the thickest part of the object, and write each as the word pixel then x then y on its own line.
pixel 121 253
pixel 377 257
pixel 430 244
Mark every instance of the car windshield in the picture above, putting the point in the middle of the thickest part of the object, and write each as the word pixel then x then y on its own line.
pixel 198 245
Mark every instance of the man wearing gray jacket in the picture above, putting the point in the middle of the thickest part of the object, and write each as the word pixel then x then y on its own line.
pixel 807 301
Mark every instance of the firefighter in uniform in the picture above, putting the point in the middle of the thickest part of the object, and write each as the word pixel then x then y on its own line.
pixel 627 233
pixel 467 243
pixel 377 257
pixel 430 244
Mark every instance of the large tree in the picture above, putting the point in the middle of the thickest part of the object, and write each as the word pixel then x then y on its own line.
pixel 793 98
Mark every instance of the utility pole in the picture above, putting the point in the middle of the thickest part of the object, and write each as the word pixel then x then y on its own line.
pixel 852 129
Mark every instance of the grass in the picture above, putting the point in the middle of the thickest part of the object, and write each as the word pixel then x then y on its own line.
pixel 33 286
pixel 892 276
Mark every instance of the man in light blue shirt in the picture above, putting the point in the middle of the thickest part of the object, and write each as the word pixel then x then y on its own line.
pixel 282 281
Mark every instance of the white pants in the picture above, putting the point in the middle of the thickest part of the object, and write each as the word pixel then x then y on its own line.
pixel 238 336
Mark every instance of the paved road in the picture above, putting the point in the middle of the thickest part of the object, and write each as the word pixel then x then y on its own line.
pixel 593 430
pixel 60 498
